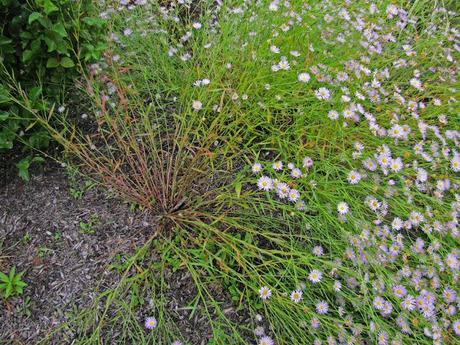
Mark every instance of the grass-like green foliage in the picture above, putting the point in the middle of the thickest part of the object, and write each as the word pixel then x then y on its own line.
pixel 190 163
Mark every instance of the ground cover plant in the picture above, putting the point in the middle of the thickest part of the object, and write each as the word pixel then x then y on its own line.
pixel 300 162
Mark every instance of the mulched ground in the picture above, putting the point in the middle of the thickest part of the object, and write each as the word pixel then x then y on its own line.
pixel 40 234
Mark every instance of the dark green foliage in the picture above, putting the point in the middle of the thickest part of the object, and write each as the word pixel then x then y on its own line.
pixel 42 46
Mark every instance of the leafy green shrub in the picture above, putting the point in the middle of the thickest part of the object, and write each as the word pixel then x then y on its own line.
pixel 42 46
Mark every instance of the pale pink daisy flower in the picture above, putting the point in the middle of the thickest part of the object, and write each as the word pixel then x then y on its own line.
pixel 256 167
pixel 284 64
pixel 456 327
pixel 337 286
pixel 318 251
pixel 455 163
pixel 399 291
pixel 150 322
pixel 416 83
pixel 303 77
pixel 259 331
pixel 307 162
pixel 197 105
pixel 322 307
pixel 396 164
pixel 315 323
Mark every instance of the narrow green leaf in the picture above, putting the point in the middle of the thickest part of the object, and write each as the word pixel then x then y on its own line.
pixel 238 186
pixel 9 290
pixel 12 273
pixel 4 277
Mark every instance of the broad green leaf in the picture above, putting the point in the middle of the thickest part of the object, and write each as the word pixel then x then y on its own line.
pixel 59 28
pixel 36 44
pixel 25 35
pixel 4 115
pixel 27 55
pixel 34 16
pixel 49 6
pixel 4 40
pixel 52 63
pixel 23 168
pixel 50 43
pixel 67 62
pixel 4 95
pixel 35 92
pixel 37 159
pixel 93 21
pixel 5 143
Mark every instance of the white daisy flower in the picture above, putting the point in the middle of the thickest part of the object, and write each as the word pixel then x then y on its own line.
pixel 303 77
pixel 296 173
pixel 197 105
pixel 323 93
pixel 315 276
pixel 278 166
pixel 265 183
pixel 354 177
pixel 266 341
pixel 455 163
pixel 256 168
pixel 333 114
pixel 294 195
pixel 282 190
pixel 342 208
pixel 296 296
pixel 322 307
pixel 265 292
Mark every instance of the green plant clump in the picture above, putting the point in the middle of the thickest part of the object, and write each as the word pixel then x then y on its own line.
pixel 43 44
pixel 12 284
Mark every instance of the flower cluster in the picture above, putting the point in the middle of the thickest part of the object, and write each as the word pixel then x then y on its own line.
pixel 399 183
pixel 285 178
